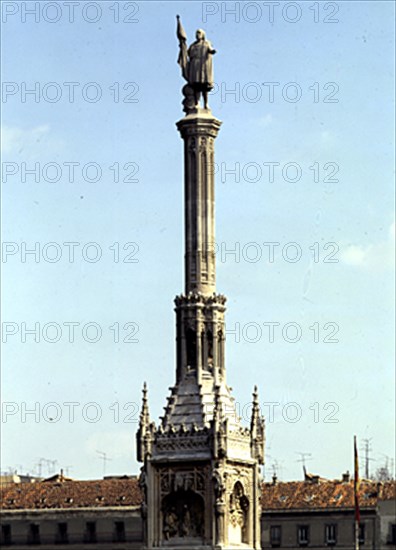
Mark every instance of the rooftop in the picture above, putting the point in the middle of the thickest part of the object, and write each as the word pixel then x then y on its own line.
pixel 324 494
pixel 62 492
pixel 67 493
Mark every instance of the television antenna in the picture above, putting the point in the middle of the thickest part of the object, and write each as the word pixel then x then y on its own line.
pixel 103 456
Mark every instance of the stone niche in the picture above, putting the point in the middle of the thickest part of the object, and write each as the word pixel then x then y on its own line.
pixel 183 517
pixel 183 497
pixel 238 526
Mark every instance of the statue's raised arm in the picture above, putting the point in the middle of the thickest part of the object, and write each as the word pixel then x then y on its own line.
pixel 197 67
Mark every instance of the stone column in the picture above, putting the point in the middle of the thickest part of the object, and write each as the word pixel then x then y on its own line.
pixel 220 509
pixel 257 509
pixel 199 131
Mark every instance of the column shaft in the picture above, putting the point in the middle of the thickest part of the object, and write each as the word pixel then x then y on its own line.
pixel 198 132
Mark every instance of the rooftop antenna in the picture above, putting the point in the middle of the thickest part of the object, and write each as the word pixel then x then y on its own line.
pixel 51 465
pixel 367 448
pixel 277 468
pixel 302 459
pixel 68 468
pixel 267 456
pixel 273 468
pixel 39 464
pixel 385 472
pixel 103 456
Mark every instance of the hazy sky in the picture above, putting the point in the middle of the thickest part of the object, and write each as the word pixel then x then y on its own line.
pixel 308 88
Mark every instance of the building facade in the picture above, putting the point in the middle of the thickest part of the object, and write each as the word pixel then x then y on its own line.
pixel 63 513
pixel 107 514
pixel 320 513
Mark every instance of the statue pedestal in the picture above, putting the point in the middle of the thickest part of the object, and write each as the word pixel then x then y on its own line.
pixel 199 111
pixel 196 115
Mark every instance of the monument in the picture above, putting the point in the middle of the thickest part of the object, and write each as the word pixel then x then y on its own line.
pixel 200 477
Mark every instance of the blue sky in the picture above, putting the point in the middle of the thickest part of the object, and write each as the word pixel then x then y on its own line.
pixel 352 380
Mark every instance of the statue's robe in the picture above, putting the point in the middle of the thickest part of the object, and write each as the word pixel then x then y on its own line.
pixel 200 67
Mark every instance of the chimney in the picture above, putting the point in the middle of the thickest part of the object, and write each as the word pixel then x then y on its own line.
pixel 274 479
pixel 346 477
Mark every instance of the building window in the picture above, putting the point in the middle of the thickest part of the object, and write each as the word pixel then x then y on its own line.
pixel 62 536
pixel 275 535
pixel 362 533
pixel 119 531
pixel 392 534
pixel 6 534
pixel 34 534
pixel 90 532
pixel 331 534
pixel 303 535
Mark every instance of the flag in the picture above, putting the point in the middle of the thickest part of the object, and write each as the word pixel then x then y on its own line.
pixel 181 33
pixel 183 57
pixel 356 482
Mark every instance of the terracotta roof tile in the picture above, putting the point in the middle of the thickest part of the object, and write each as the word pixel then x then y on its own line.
pixel 325 494
pixel 125 492
pixel 71 494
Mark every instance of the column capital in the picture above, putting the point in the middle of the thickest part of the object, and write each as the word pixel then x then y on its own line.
pixel 200 123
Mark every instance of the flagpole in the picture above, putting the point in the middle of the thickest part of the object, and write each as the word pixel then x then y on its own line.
pixel 356 492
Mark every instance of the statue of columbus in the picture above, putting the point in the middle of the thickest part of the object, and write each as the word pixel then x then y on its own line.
pixel 197 67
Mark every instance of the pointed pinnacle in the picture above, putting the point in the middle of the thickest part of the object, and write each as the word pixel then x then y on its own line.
pixel 144 413
pixel 254 422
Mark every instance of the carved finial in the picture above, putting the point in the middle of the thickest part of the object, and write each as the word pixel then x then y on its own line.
pixel 144 414
pixel 257 429
pixel 255 411
pixel 146 429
